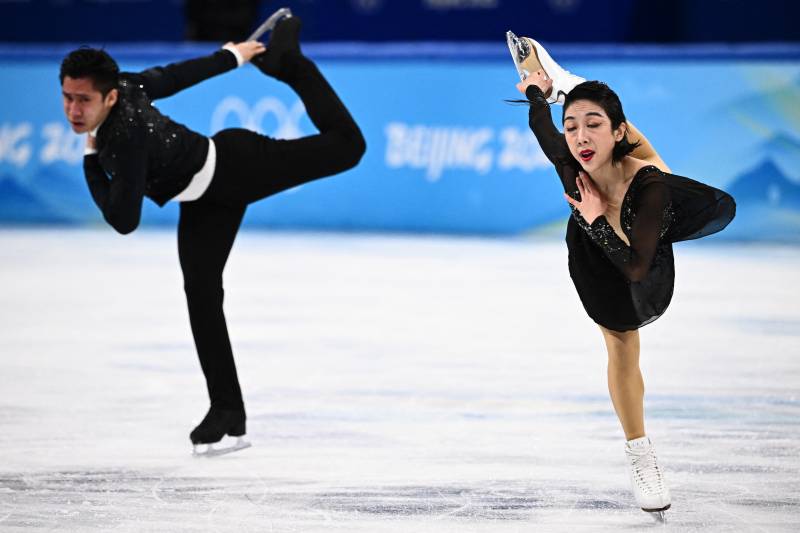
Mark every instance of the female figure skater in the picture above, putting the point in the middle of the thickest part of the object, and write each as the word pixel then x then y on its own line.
pixel 627 210
pixel 134 151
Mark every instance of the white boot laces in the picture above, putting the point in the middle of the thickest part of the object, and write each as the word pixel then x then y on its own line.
pixel 647 473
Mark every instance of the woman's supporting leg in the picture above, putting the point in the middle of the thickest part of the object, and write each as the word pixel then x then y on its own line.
pixel 627 393
pixel 206 232
pixel 625 383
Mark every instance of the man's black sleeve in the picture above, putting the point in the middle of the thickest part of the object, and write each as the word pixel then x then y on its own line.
pixel 161 82
pixel 119 197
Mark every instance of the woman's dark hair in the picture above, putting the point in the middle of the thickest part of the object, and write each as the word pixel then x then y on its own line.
pixel 91 63
pixel 602 95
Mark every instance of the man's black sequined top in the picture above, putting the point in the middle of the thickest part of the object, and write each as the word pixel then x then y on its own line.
pixel 141 152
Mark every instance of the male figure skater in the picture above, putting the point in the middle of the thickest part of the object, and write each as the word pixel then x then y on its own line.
pixel 133 151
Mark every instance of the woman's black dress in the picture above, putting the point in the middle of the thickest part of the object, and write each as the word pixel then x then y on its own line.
pixel 624 287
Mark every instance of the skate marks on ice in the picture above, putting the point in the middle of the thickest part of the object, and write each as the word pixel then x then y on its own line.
pixel 105 499
pixel 130 500
pixel 381 414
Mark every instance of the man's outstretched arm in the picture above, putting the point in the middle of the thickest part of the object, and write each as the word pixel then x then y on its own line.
pixel 161 82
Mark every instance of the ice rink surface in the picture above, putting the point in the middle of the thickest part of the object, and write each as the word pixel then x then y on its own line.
pixel 392 384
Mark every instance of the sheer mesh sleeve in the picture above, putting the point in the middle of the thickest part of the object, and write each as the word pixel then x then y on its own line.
pixel 551 140
pixel 634 260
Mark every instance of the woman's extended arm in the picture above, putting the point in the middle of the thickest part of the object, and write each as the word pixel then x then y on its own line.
pixel 550 139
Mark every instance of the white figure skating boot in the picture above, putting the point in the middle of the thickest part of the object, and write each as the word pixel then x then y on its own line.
pixel 647 479
pixel 529 56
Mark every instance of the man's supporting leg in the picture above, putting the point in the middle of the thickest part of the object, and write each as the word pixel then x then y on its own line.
pixel 206 232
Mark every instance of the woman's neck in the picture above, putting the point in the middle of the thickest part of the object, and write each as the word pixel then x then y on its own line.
pixel 612 180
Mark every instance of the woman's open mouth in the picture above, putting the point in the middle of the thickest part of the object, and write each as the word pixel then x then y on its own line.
pixel 586 155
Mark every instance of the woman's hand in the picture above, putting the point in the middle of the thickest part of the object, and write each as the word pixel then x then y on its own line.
pixel 592 203
pixel 248 49
pixel 538 78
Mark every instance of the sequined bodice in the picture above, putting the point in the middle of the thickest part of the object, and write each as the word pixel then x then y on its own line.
pixel 172 151
pixel 605 234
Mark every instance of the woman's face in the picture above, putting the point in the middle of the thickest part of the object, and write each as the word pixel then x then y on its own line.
pixel 589 135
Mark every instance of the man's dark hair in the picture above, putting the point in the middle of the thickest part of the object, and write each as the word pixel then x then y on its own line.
pixel 602 95
pixel 94 64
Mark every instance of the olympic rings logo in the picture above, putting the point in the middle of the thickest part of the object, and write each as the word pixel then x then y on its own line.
pixel 286 118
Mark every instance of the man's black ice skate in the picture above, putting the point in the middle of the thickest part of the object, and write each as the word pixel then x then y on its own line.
pixel 282 48
pixel 216 424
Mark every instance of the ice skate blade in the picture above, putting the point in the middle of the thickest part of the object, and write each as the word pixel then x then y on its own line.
pixel 210 451
pixel 511 41
pixel 270 23
pixel 659 515
pixel 514 45
pixel 522 47
pixel 525 56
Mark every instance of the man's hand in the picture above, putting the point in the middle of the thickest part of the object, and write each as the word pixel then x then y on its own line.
pixel 248 49
pixel 537 78
pixel 592 204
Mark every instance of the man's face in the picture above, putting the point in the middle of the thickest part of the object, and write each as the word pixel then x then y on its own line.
pixel 84 105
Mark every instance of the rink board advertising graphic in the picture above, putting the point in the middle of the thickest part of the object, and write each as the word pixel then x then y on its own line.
pixel 446 153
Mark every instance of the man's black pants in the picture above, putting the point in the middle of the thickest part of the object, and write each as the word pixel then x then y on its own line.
pixel 250 167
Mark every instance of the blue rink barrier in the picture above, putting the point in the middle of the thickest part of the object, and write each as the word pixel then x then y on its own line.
pixel 445 153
